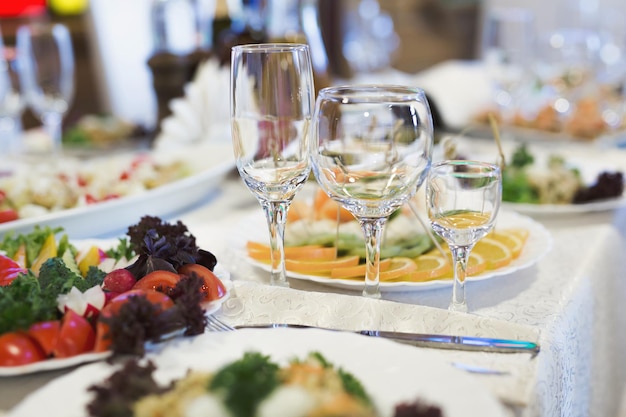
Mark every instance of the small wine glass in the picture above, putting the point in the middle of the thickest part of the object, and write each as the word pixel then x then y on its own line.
pixel 507 52
pixel 11 100
pixel 371 147
pixel 463 198
pixel 46 68
pixel 272 100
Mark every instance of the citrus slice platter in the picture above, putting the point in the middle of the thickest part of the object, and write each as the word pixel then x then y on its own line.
pixel 517 243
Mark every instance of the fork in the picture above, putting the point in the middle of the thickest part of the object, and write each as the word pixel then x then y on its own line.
pixel 216 325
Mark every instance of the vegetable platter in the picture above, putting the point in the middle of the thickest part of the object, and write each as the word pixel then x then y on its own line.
pixel 63 304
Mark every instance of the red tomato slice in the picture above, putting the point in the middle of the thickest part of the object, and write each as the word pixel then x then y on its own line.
pixel 75 337
pixel 46 334
pixel 213 287
pixel 19 349
pixel 9 270
pixel 8 215
pixel 103 341
pixel 162 281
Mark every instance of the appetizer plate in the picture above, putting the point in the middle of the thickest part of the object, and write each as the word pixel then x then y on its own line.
pixel 414 373
pixel 590 160
pixel 53 364
pixel 210 163
pixel 539 243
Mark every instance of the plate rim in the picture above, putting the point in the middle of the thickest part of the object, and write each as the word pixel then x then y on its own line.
pixel 281 344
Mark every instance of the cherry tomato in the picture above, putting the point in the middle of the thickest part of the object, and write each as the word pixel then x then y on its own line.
pixel 8 215
pixel 75 337
pixel 46 334
pixel 213 287
pixel 103 341
pixel 162 281
pixel 19 349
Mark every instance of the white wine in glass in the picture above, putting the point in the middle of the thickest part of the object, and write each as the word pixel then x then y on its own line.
pixel 46 68
pixel 371 148
pixel 272 100
pixel 463 198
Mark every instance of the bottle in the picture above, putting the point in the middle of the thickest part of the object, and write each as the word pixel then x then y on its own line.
pixel 180 44
pixel 297 21
pixel 246 25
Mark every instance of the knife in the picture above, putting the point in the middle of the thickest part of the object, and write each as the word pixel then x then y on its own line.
pixel 437 341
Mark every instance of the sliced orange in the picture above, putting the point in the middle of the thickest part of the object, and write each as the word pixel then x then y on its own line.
pixel 320 267
pixel 428 267
pixel 399 267
pixel 299 210
pixel 261 252
pixel 358 271
pixel 496 253
pixel 512 241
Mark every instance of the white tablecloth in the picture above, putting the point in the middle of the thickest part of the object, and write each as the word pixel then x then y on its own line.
pixel 571 299
pixel 571 302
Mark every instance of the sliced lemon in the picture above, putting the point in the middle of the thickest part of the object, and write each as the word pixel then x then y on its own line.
pixel 476 264
pixel 496 253
pixel 399 267
pixel 428 267
pixel 512 241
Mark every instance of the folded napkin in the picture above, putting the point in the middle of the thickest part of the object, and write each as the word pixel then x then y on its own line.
pixel 460 89
pixel 255 303
pixel 202 114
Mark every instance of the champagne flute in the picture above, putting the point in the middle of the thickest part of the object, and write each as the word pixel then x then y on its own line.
pixel 11 101
pixel 371 147
pixel 272 100
pixel 463 198
pixel 46 68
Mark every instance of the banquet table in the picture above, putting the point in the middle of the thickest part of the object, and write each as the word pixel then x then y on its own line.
pixel 570 302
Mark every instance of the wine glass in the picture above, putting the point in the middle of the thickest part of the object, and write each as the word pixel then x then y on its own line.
pixel 507 51
pixel 46 68
pixel 11 101
pixel 272 100
pixel 463 198
pixel 371 147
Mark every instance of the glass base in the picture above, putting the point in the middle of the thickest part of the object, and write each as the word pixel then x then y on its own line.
pixel 460 307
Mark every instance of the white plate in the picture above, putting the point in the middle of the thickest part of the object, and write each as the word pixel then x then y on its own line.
pixel 559 209
pixel 211 161
pixel 539 242
pixel 590 160
pixel 52 364
pixel 391 372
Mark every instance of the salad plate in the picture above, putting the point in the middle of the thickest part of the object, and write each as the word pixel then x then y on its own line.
pixel 587 159
pixel 414 373
pixel 209 164
pixel 539 243
pixel 62 363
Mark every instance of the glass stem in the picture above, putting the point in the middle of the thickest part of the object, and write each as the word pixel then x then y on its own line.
pixel 460 256
pixel 276 214
pixel 52 125
pixel 373 232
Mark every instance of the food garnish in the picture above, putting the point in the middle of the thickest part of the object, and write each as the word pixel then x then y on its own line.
pixel 253 385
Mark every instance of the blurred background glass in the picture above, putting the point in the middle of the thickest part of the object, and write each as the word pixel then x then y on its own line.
pixel 11 101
